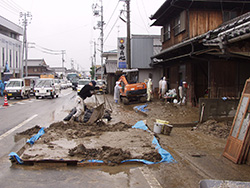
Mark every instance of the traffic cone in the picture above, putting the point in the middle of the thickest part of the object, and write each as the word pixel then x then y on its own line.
pixel 5 101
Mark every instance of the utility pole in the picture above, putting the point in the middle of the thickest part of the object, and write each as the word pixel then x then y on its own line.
pixel 25 17
pixel 99 26
pixel 128 35
pixel 94 60
pixel 102 23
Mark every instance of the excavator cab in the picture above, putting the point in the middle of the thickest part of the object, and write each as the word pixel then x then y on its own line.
pixel 132 91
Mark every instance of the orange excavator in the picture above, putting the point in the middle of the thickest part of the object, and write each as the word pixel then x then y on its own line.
pixel 132 91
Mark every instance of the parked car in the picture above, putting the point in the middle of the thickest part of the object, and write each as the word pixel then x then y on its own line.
pixel 103 84
pixel 58 83
pixel 46 87
pixel 19 87
pixel 82 83
pixel 64 84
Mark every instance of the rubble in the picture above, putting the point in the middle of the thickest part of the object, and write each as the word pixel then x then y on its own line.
pixel 220 129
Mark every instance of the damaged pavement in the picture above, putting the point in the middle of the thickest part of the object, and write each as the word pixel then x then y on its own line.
pixel 196 153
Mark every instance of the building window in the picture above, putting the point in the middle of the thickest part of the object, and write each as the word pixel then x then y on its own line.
pixel 229 15
pixel 166 34
pixel 177 25
pixel 180 23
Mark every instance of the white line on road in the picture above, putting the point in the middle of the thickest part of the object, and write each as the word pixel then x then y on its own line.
pixel 17 127
pixel 152 181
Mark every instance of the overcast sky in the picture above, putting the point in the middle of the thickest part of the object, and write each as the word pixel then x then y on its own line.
pixel 68 25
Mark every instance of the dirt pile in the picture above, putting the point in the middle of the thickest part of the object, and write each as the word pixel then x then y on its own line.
pixel 30 132
pixel 108 155
pixel 76 141
pixel 220 129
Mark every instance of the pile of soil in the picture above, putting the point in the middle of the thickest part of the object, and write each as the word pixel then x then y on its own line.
pixel 108 155
pixel 30 132
pixel 220 129
pixel 76 141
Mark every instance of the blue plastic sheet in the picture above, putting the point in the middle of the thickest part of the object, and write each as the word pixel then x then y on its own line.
pixel 36 137
pixel 166 156
pixel 13 155
pixel 141 108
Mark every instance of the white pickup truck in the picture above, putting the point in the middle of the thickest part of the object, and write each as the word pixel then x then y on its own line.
pixel 18 87
pixel 46 87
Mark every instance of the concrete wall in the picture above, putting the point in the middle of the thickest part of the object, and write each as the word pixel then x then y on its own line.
pixel 218 108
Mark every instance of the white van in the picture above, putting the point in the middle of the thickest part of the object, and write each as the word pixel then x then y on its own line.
pixel 46 87
pixel 81 84
pixel 18 87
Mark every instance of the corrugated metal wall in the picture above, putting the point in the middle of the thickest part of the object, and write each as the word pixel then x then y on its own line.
pixel 141 51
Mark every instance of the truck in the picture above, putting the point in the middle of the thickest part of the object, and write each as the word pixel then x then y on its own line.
pixel 132 91
pixel 46 87
pixel 18 87
pixel 33 80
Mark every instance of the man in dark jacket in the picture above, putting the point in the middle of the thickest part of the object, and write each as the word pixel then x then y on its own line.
pixel 88 90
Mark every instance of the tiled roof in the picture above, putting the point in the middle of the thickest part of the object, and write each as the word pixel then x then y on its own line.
pixel 36 62
pixel 229 31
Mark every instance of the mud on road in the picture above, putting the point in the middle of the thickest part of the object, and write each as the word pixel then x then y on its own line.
pixel 198 152
pixel 74 141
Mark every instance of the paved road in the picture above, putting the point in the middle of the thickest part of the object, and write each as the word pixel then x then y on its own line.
pixel 23 114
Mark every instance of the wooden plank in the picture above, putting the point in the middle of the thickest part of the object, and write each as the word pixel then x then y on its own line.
pixel 238 139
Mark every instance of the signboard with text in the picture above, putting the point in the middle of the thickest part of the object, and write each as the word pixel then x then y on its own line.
pixel 122 58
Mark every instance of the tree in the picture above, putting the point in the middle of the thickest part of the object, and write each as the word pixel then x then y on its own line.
pixel 92 72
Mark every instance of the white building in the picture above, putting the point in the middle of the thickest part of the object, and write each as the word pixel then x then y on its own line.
pixel 10 47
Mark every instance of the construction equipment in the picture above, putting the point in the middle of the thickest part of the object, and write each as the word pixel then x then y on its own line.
pixel 132 91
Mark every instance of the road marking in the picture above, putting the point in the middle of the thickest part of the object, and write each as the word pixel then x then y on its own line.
pixel 152 181
pixel 17 127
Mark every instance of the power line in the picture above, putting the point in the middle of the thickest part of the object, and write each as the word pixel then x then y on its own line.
pixel 8 9
pixel 46 50
pixel 10 6
pixel 146 14
pixel 112 28
pixel 14 5
pixel 53 51
pixel 112 14
pixel 18 6
pixel 141 16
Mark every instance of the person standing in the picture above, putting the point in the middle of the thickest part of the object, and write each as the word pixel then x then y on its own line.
pixel 164 86
pixel 160 88
pixel 1 87
pixel 149 89
pixel 117 91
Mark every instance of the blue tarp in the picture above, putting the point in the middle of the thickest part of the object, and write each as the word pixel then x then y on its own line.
pixel 35 137
pixel 141 108
pixel 165 155
pixel 13 156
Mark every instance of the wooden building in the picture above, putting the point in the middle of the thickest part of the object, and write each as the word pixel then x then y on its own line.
pixel 206 44
pixel 37 67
